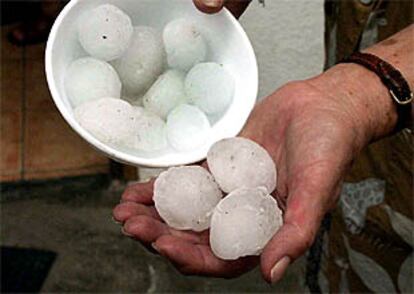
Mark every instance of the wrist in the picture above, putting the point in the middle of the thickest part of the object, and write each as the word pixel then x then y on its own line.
pixel 366 101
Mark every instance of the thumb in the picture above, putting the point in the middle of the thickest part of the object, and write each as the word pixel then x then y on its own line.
pixel 209 6
pixel 301 223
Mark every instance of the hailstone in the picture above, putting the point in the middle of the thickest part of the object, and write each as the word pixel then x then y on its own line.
pixel 133 100
pixel 105 32
pixel 166 93
pixel 142 62
pixel 187 127
pixel 243 222
pixel 210 86
pixel 89 78
pixel 184 44
pixel 110 120
pixel 139 111
pixel 238 162
pixel 149 131
pixel 185 197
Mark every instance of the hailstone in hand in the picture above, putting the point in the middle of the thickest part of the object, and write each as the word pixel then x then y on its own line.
pixel 142 62
pixel 238 162
pixel 89 78
pixel 149 131
pixel 105 32
pixel 243 222
pixel 131 99
pixel 187 127
pixel 166 93
pixel 184 44
pixel 185 197
pixel 210 87
pixel 110 120
pixel 139 111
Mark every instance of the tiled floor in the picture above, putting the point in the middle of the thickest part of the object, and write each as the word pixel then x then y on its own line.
pixel 36 143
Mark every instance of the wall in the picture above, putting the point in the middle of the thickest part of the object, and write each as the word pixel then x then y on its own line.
pixel 287 37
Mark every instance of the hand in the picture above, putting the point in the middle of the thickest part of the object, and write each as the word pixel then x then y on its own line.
pixel 236 7
pixel 188 251
pixel 312 134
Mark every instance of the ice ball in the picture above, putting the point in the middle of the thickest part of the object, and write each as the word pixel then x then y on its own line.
pixel 149 131
pixel 239 162
pixel 185 197
pixel 139 111
pixel 133 100
pixel 105 32
pixel 210 87
pixel 184 44
pixel 143 61
pixel 110 120
pixel 187 127
pixel 243 222
pixel 89 78
pixel 166 93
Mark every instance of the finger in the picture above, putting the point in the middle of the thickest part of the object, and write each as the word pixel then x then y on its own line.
pixel 198 259
pixel 140 193
pixel 303 215
pixel 122 212
pixel 147 229
pixel 289 243
pixel 209 6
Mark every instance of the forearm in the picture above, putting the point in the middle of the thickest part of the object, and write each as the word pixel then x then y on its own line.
pixel 368 100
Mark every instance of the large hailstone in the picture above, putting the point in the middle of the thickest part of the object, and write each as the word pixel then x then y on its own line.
pixel 149 131
pixel 239 162
pixel 243 222
pixel 187 127
pixel 184 44
pixel 89 78
pixel 110 120
pixel 210 86
pixel 105 32
pixel 166 93
pixel 143 61
pixel 185 197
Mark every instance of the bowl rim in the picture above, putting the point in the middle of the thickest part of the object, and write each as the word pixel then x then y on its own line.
pixel 108 150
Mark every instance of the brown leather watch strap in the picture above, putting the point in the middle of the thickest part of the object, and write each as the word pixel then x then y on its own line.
pixel 394 81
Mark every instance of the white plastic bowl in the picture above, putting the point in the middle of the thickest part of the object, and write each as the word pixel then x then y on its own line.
pixel 228 44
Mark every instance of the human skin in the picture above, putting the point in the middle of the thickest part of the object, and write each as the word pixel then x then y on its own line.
pixel 313 129
pixel 236 7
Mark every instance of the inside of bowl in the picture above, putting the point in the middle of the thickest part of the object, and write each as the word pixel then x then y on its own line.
pixel 228 45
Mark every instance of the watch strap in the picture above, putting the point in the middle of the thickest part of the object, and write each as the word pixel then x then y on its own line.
pixel 392 79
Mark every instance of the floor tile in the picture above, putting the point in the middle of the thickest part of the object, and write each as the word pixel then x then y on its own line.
pixel 37 94
pixel 50 145
pixel 8 50
pixel 10 145
pixel 11 86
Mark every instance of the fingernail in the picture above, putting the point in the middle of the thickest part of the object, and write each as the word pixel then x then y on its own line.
pixel 153 245
pixel 213 3
pixel 115 221
pixel 279 269
pixel 125 232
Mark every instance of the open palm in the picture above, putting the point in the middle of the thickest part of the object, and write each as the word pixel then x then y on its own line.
pixel 309 135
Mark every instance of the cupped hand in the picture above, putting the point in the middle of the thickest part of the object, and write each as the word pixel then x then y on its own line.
pixel 312 135
pixel 189 251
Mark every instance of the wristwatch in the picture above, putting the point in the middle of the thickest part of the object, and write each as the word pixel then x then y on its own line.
pixel 396 84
